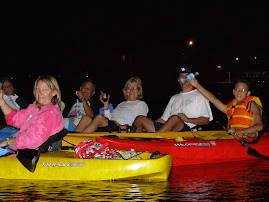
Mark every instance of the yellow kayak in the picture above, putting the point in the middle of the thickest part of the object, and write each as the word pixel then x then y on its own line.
pixel 64 165
pixel 76 138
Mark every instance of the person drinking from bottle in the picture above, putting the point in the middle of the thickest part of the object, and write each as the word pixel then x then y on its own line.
pixel 244 112
pixel 39 120
pixel 184 111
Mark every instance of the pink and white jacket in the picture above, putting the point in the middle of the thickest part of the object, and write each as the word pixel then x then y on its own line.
pixel 36 126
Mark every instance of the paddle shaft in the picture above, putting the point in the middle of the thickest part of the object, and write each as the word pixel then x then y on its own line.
pixel 243 143
pixel 251 151
pixel 9 149
pixel 236 137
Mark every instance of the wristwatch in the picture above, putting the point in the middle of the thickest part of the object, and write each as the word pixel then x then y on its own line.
pixel 7 142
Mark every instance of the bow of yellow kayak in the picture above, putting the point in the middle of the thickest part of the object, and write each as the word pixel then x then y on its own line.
pixel 63 165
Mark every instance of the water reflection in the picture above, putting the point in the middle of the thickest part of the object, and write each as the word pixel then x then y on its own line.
pixel 246 180
pixel 31 190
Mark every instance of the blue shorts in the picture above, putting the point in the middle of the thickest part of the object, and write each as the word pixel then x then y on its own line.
pixel 157 126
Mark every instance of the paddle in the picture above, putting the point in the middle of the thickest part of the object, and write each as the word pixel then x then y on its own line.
pixel 251 151
pixel 28 157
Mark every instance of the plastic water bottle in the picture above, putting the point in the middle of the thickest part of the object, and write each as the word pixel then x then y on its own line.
pixel 187 78
pixel 77 103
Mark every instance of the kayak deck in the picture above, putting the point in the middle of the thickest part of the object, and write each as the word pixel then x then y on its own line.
pixel 193 151
pixel 63 165
pixel 76 138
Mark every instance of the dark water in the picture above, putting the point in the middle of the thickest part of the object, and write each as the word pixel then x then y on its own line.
pixel 240 181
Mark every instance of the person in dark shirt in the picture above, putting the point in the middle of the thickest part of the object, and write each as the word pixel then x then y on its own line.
pixel 84 105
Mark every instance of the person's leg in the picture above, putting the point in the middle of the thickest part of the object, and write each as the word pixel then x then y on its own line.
pixel 143 123
pixel 98 121
pixel 84 122
pixel 174 123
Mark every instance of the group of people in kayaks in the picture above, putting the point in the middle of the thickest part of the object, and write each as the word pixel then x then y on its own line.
pixel 190 107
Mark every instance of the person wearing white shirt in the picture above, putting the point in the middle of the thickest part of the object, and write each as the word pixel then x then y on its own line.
pixel 184 111
pixel 11 98
pixel 125 113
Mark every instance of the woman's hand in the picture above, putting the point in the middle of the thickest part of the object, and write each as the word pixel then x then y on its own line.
pixel 3 143
pixel 2 101
pixel 1 93
pixel 106 104
pixel 9 141
pixel 6 109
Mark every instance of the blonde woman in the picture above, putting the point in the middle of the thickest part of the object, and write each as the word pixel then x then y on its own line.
pixel 40 120
pixel 125 113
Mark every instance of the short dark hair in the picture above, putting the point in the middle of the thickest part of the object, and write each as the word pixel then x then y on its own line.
pixel 245 81
pixel 9 80
pixel 91 81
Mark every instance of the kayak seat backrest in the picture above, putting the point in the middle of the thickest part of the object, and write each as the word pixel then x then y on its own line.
pixel 53 142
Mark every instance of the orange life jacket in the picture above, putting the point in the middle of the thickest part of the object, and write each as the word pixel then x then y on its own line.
pixel 239 116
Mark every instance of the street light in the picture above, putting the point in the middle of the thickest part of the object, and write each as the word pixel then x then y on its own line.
pixel 190 43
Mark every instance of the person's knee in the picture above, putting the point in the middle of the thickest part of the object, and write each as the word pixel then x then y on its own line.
pixel 174 118
pixel 86 118
pixel 139 120
pixel 99 118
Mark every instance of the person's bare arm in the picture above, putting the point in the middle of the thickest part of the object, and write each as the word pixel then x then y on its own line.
pixel 216 102
pixel 9 141
pixel 88 110
pixel 6 109
pixel 196 121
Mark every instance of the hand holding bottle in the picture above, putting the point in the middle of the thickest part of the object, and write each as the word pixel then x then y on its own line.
pixel 80 96
pixel 194 83
pixel 188 78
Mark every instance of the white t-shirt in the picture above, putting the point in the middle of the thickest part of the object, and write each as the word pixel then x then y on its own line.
pixel 11 101
pixel 127 111
pixel 193 104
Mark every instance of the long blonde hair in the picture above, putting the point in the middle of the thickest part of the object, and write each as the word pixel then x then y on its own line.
pixel 53 85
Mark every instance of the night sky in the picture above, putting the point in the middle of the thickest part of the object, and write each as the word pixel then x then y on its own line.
pixel 86 38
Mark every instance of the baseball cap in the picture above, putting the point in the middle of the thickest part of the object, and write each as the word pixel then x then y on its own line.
pixel 184 69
